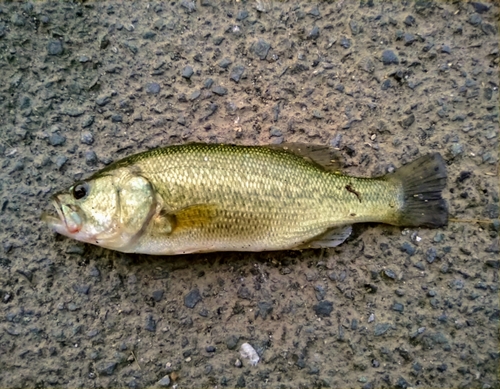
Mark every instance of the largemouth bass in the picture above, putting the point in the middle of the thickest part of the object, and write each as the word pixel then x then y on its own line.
pixel 203 198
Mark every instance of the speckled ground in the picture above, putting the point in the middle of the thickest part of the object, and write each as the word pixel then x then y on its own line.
pixel 83 84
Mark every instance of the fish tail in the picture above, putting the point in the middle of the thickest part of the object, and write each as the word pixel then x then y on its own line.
pixel 422 182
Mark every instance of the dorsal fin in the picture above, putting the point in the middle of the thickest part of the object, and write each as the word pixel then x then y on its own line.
pixel 327 157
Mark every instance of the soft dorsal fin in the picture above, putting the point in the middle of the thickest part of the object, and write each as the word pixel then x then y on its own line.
pixel 326 156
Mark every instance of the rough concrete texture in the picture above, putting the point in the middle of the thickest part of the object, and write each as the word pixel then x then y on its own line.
pixel 86 83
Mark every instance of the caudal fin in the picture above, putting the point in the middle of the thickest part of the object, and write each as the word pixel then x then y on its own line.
pixel 423 181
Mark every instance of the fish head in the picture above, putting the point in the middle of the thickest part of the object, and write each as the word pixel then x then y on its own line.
pixel 107 211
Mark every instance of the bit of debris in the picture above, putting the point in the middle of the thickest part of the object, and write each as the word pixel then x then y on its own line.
pixel 248 352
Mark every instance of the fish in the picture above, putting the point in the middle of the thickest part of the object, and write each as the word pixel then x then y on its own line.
pixel 198 198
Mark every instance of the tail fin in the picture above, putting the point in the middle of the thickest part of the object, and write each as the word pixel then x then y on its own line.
pixel 422 181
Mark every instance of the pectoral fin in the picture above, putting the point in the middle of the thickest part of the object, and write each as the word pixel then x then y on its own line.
pixel 194 216
pixel 330 238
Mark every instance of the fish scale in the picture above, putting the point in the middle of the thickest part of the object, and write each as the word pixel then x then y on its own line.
pixel 200 198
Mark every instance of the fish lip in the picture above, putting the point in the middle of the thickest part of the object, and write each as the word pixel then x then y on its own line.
pixel 53 221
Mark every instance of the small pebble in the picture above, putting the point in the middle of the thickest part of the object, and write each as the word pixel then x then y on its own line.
pixel 475 19
pixel 389 274
pixel 402 383
pixel 389 57
pixel 192 298
pixel 82 289
pixel 55 47
pixel 195 95
pixel 323 308
pixel 355 27
pixel 314 33
pixel 320 292
pixel 345 42
pixel 480 7
pixel 148 35
pixel 261 48
pixel 431 255
pixel 60 161
pixel 87 138
pixel 336 141
pixel 244 293
pixel 218 40
pixel 275 132
pixel 189 6
pixel 446 49
pixel 94 272
pixel 208 83
pixel 314 12
pixel 381 328
pixel 439 235
pixel 101 101
pixel 150 324
pixel 456 149
pixel 88 121
pixel 56 139
pixel 409 20
pixel 17 20
pixel 13 331
pixel 236 73
pixel 409 39
pixel 158 295
pixel 106 368
pixel 90 158
pixel 220 90
pixel 242 15
pixel 187 72
pixel 153 88
pixel 265 309
pixel 407 121
pixel 408 248
pixel 225 63
pixel 164 382
pixel 232 342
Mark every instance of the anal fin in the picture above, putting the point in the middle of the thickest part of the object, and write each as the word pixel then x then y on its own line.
pixel 329 239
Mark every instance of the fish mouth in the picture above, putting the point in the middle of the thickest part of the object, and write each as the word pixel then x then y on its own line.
pixel 57 223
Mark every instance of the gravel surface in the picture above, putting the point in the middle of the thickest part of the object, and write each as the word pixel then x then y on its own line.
pixel 86 83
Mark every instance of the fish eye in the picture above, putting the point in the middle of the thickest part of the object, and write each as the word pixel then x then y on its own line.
pixel 80 190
